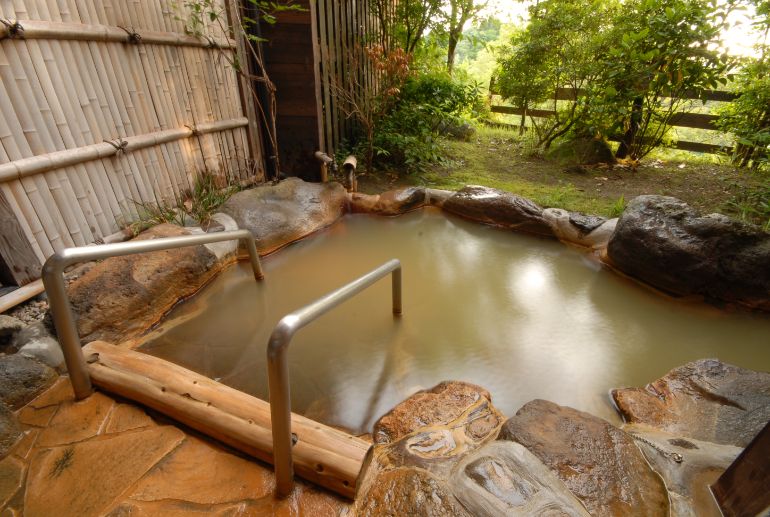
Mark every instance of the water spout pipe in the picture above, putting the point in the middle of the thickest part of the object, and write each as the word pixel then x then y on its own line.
pixel 349 168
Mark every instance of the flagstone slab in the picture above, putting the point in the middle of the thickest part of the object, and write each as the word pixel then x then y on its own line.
pixel 11 477
pixel 125 417
pixel 77 421
pixel 86 478
pixel 200 472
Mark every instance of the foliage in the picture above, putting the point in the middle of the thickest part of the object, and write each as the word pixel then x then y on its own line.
pixel 459 13
pixel 557 49
pixel 629 66
pixel 405 23
pixel 747 118
pixel 428 106
pixel 753 205
pixel 200 203
pixel 369 106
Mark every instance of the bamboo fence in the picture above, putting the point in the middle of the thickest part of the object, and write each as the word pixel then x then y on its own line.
pixel 107 105
pixel 342 29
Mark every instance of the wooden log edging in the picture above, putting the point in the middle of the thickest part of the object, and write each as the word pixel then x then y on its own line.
pixel 322 455
pixel 46 162
pixel 45 30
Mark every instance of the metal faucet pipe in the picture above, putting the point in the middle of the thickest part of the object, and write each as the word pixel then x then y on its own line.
pixel 278 366
pixel 64 319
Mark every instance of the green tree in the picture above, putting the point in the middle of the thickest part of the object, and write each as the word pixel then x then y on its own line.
pixel 460 12
pixel 748 116
pixel 404 24
pixel 664 51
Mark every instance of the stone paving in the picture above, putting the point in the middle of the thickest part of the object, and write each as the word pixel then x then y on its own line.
pixel 106 456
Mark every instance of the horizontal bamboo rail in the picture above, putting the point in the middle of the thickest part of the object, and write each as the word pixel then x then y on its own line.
pixel 58 159
pixel 322 455
pixel 44 30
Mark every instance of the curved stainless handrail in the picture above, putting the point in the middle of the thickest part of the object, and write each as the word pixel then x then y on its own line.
pixel 278 367
pixel 64 320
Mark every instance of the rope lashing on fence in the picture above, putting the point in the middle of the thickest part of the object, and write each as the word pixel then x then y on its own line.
pixel 134 38
pixel 194 130
pixel 15 29
pixel 119 144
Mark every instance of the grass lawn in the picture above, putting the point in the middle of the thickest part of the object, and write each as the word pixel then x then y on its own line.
pixel 501 159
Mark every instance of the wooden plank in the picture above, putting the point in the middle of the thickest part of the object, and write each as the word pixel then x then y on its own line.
pixel 21 263
pixel 564 94
pixel 744 488
pixel 694 120
pixel 314 22
pixel 510 110
pixel 322 455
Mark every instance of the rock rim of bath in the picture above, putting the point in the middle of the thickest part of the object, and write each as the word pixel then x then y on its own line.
pixel 498 208
pixel 438 405
pixel 706 400
pixel 279 214
pixel 121 297
pixel 665 243
pixel 598 462
pixel 582 230
pixel 389 203
pixel 10 430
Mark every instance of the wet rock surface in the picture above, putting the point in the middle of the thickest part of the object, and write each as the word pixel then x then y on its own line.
pixel 280 214
pixel 439 405
pixel 504 478
pixel 407 491
pixel 706 400
pixel 21 379
pixel 688 480
pixel 121 297
pixel 582 230
pixel 665 243
pixel 598 462
pixel 417 446
pixel 392 202
pixel 499 208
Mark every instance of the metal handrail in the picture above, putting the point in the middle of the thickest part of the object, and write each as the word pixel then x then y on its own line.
pixel 64 320
pixel 278 367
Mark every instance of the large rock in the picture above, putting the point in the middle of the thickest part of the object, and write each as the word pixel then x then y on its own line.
pixel 706 399
pixel 418 444
pixel 121 297
pixel 404 491
pixel 10 430
pixel 598 462
pixel 439 405
pixel 283 213
pixel 499 208
pixel 9 328
pixel 665 243
pixel 504 478
pixel 392 202
pixel 21 379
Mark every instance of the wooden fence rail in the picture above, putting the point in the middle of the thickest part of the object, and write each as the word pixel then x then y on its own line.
pixel 682 119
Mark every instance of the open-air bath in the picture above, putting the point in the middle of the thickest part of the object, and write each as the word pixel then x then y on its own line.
pixel 522 316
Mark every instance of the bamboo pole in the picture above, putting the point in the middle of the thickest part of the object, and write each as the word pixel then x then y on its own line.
pixel 41 163
pixel 28 140
pixel 323 455
pixel 68 31
pixel 86 119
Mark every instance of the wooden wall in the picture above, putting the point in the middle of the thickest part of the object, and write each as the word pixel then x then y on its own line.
pixel 306 55
pixel 290 62
pixel 77 73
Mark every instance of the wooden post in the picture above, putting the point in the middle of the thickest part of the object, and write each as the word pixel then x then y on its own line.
pixel 744 488
pixel 16 253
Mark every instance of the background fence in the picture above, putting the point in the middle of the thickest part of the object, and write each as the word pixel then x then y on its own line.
pixel 104 105
pixel 683 119
pixel 344 28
